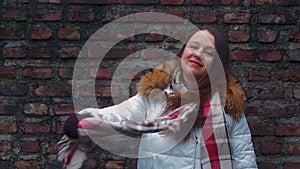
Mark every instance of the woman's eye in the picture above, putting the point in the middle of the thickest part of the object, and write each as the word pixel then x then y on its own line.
pixel 210 53
pixel 194 47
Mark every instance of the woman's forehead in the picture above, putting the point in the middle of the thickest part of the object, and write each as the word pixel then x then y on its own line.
pixel 203 37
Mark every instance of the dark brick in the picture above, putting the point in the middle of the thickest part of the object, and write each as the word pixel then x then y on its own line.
pixel 277 18
pixel 86 15
pixel 68 34
pixel 8 72
pixel 7 109
pixel 288 130
pixel 270 56
pixel 243 56
pixel 53 91
pixel 16 89
pixel 238 36
pixel 269 36
pixel 16 15
pixel 8 128
pixel 117 164
pixel 41 34
pixel 48 15
pixel 36 108
pixel 232 2
pixel 202 2
pixel 37 73
pixel 271 148
pixel 239 17
pixel 204 17
pixel 36 128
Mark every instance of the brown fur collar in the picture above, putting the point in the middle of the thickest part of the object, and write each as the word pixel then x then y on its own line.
pixel 235 96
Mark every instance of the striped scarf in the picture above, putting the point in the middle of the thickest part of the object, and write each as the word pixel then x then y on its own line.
pixel 216 152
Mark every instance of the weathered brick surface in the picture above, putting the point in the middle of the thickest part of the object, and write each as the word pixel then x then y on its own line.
pixel 40 42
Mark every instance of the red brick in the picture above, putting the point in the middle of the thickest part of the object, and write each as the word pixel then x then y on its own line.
pixel 41 53
pixel 288 130
pixel 289 3
pixel 21 164
pixel 53 148
pixel 86 15
pixel 243 55
pixel 232 2
pixel 14 52
pixel 291 166
pixel 172 2
pixel 8 127
pixel 277 18
pixel 204 17
pixel 60 128
pixel 288 75
pixel 268 36
pixel 41 34
pixel 53 91
pixel 68 34
pixel 261 2
pixel 153 37
pixel 271 148
pixel 64 109
pixel 66 73
pixel 49 1
pixel 141 2
pixel 238 17
pixel 258 129
pixel 36 128
pixel 117 164
pixel 30 146
pixel 100 73
pixel 48 15
pixel 142 17
pixel 177 13
pixel 295 37
pixel 293 55
pixel 238 36
pixel 5 146
pixel 101 91
pixel 11 33
pixel 16 15
pixel 8 72
pixel 93 1
pixel 69 52
pixel 259 75
pixel 36 108
pixel 202 2
pixel 294 149
pixel 37 73
pixel 270 56
pixel 297 94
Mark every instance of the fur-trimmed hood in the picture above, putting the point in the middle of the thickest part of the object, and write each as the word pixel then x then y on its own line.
pixel 160 78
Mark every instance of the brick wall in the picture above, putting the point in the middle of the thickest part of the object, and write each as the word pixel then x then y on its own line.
pixel 40 41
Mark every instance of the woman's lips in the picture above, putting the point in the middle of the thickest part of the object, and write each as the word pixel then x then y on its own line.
pixel 195 63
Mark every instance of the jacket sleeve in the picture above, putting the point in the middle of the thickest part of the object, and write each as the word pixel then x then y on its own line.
pixel 135 108
pixel 242 145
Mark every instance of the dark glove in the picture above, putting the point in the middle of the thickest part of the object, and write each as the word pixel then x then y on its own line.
pixel 71 125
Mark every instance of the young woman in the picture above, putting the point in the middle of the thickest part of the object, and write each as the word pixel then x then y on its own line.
pixel 187 114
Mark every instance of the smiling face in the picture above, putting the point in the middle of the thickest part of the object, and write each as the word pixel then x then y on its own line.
pixel 198 55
